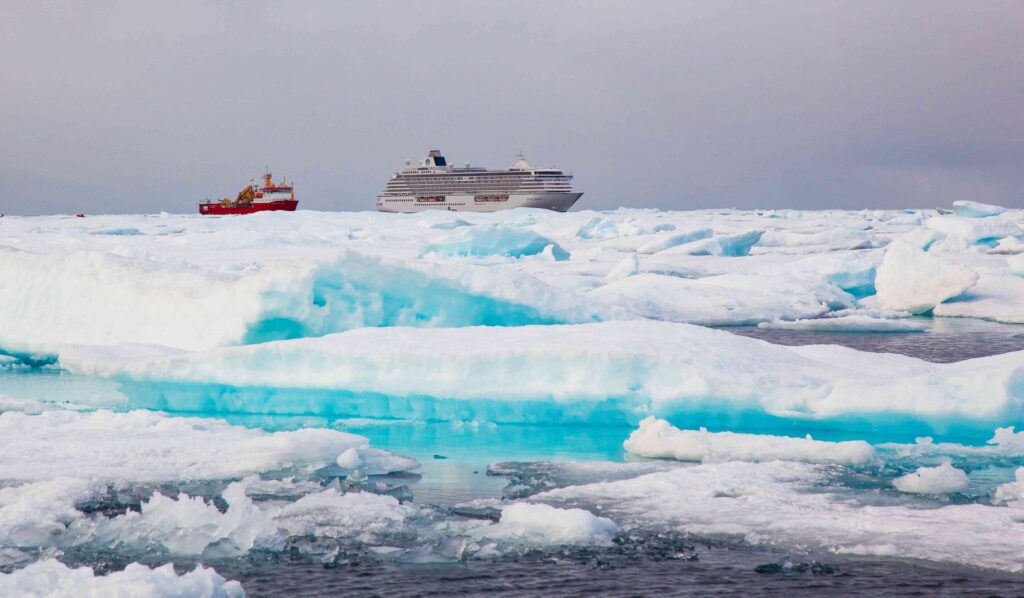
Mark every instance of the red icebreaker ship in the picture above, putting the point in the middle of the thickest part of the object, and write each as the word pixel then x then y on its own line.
pixel 269 197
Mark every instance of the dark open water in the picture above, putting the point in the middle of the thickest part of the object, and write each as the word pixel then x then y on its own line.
pixel 717 571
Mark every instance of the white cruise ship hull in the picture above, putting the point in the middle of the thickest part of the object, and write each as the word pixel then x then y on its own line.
pixel 559 202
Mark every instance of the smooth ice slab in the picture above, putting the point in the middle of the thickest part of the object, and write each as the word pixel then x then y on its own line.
pixel 496 241
pixel 849 323
pixel 974 209
pixel 727 246
pixel 612 371
pixel 974 230
pixel 726 299
pixel 664 241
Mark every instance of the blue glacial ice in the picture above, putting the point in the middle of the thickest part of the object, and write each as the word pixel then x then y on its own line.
pixel 737 245
pixel 974 209
pixel 496 240
pixel 682 372
pixel 102 299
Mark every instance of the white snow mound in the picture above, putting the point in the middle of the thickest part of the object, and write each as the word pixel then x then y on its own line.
pixel 932 480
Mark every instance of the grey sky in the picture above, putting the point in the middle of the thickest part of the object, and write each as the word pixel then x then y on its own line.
pixel 150 106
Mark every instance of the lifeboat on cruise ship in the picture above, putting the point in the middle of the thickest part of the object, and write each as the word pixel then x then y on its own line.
pixel 270 197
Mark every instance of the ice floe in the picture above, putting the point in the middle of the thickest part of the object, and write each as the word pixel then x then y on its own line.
pixel 974 230
pixel 53 578
pixel 102 299
pixel 1012 493
pixel 666 240
pixel 58 460
pixel 185 525
pixel 576 373
pixel 728 246
pixel 70 480
pixel 497 241
pixel 974 209
pixel 912 280
pixel 1005 443
pixel 660 439
pixel 798 505
pixel 932 480
pixel 189 525
pixel 722 300
pixel 996 296
pixel 145 446
pixel 544 524
pixel 849 323
pixel 196 283
pixel 629 266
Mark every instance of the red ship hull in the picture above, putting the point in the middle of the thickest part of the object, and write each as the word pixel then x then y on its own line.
pixel 270 206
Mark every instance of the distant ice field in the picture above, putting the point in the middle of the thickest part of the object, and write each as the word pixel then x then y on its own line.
pixel 797 397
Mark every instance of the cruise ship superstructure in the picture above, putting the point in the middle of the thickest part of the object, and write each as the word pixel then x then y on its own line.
pixel 434 184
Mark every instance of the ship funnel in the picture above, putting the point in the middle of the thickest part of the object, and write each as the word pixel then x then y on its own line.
pixel 520 163
pixel 434 158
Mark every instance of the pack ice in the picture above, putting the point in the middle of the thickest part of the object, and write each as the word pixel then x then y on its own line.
pixel 53 578
pixel 518 316
pixel 786 503
pixel 196 283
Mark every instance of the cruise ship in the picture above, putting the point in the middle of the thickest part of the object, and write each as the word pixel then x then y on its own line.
pixel 433 184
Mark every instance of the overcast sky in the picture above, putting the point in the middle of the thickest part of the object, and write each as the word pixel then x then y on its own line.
pixel 151 106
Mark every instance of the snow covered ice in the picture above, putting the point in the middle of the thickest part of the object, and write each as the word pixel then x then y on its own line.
pixel 933 480
pixel 787 503
pixel 660 439
pixel 528 522
pixel 974 209
pixel 659 368
pixel 308 274
pixel 52 578
pixel 179 389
